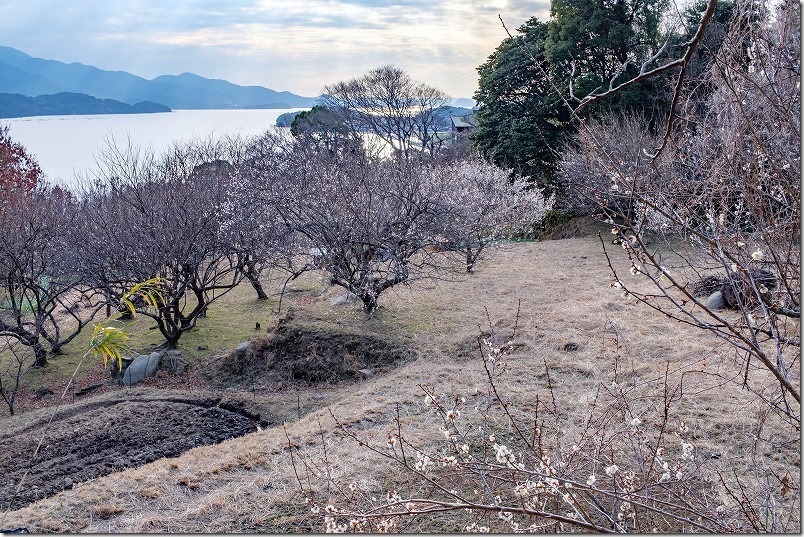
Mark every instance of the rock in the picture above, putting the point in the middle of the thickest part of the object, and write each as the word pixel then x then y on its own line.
pixel 343 299
pixel 715 301
pixel 365 373
pixel 144 365
pixel 172 362
pixel 42 392
pixel 741 290
pixel 243 348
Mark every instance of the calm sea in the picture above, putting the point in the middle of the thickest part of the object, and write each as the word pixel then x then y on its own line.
pixel 66 146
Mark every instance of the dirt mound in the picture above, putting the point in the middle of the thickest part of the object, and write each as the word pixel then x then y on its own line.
pixel 104 437
pixel 292 353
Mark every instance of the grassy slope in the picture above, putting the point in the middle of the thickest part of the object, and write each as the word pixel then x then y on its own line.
pixel 563 294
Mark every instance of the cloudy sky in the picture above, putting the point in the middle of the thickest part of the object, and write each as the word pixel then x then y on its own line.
pixel 293 45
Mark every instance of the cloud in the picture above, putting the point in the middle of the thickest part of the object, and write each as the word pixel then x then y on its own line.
pixel 285 45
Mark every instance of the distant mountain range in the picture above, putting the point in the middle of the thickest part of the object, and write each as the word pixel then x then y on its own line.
pixel 24 75
pixel 62 104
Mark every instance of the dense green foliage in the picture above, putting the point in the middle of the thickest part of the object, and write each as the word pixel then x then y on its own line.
pixel 530 84
pixel 520 119
pixel 322 126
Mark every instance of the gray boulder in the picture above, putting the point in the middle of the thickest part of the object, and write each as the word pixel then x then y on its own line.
pixel 172 362
pixel 340 300
pixel 243 348
pixel 143 366
pixel 716 301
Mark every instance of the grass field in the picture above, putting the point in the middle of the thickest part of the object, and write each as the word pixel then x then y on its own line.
pixel 576 337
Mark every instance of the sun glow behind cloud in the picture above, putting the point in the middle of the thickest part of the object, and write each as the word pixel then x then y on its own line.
pixel 294 46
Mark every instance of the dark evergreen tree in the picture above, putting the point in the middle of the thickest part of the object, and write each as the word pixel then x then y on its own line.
pixel 520 118
pixel 583 49
pixel 323 126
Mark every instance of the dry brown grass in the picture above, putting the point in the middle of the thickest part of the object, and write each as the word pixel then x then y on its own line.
pixel 562 291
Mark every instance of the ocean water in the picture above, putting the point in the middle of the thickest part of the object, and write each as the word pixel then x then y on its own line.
pixel 66 147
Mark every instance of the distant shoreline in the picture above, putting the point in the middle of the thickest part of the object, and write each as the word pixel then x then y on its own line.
pixel 15 105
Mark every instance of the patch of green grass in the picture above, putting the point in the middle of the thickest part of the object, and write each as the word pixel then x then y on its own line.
pixel 230 320
pixel 409 311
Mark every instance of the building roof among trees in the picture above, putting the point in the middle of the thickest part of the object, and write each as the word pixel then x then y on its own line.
pixel 464 122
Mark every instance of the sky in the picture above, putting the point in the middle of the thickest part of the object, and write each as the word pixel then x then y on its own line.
pixel 291 45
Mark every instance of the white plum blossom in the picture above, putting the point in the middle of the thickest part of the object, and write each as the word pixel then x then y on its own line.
pixel 422 461
pixel 506 516
pixel 331 525
pixel 503 454
pixel 449 461
pixel 611 470
pixel 452 415
pixel 686 451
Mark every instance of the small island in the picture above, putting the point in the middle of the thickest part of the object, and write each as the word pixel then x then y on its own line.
pixel 15 105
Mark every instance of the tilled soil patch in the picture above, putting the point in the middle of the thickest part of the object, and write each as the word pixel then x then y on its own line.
pixel 104 437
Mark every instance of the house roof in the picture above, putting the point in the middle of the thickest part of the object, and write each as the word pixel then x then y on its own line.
pixel 467 121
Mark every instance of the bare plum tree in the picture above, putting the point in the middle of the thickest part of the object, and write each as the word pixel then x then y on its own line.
pixel 45 302
pixel 368 223
pixel 250 222
pixel 167 226
pixel 16 360
pixel 374 223
pixel 387 103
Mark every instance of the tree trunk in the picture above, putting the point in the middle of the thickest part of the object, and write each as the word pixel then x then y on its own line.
pixel 369 303
pixel 255 283
pixel 170 331
pixel 253 277
pixel 39 352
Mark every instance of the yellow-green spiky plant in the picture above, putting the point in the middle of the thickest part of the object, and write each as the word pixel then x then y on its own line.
pixel 150 291
pixel 109 342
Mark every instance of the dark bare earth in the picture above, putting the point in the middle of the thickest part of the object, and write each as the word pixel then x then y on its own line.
pixel 102 437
